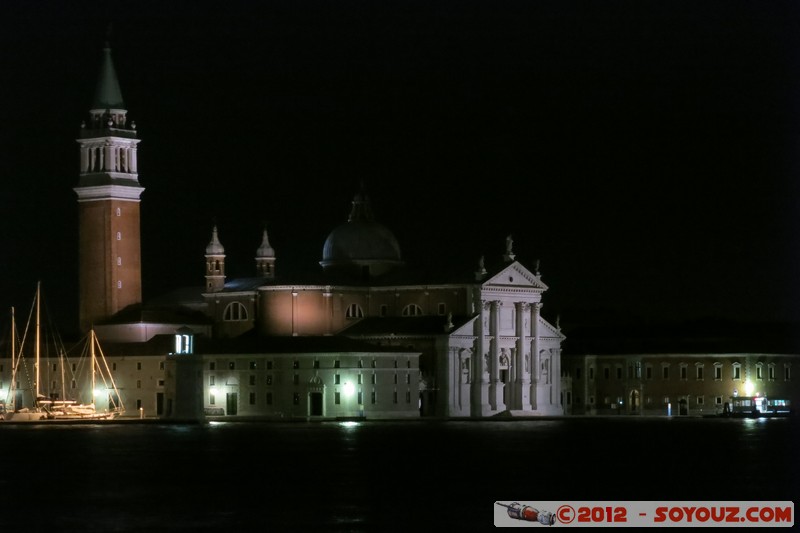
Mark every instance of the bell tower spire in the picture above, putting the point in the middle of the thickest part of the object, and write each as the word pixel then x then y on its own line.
pixel 108 192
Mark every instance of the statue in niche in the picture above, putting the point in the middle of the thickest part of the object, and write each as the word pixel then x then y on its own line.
pixel 509 244
pixel 527 359
pixel 486 362
pixel 503 358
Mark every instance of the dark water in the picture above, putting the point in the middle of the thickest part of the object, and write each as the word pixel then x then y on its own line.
pixel 376 475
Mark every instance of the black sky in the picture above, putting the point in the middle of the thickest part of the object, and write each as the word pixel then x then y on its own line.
pixel 645 152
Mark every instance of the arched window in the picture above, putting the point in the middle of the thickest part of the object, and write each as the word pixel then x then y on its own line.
pixel 354 311
pixel 412 310
pixel 235 312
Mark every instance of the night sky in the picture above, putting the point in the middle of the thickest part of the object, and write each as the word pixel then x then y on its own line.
pixel 645 152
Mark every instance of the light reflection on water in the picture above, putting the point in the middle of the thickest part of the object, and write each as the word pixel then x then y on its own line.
pixel 355 476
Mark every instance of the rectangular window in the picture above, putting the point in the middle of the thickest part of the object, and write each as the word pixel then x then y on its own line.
pixel 138 383
pixel 372 396
pixel 394 397
pixel 269 365
pixel 683 372
pixel 211 381
pixel 269 379
pixel 138 405
pixel 336 379
pixel 384 309
pixel 408 396
pixel 374 379
pixel 296 398
pixel 252 398
pixel 212 399
pixel 212 365
pixel 337 398
pixel 138 366
pixel 231 365
pixel 771 372
pixel 360 363
pixel 395 379
pixel 359 379
pixel 648 372
pixel 718 400
pixel 252 365
pixel 160 365
pixel 442 308
pixel 408 379
pixel 578 373
pixel 252 379
pixel 700 400
pixel 758 373
pixel 664 372
pixel 160 382
pixel 374 363
pixel 787 373
pixel 55 367
pixel 591 372
pixel 717 373
pixel 336 363
pixel 699 373
pixel 736 372
pixel 360 398
pixel 316 363
pixel 619 373
pixel 295 364
pixel 269 398
pixel 296 379
pixel 605 372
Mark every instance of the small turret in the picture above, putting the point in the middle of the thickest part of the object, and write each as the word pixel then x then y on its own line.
pixel 265 258
pixel 215 264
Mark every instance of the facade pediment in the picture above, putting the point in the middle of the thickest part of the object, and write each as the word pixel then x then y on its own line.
pixel 514 275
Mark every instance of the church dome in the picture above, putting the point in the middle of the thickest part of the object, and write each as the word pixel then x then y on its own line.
pixel 361 242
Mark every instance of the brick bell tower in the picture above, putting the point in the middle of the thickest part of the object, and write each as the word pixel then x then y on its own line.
pixel 110 272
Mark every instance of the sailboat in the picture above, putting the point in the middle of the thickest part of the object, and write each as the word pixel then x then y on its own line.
pixel 56 406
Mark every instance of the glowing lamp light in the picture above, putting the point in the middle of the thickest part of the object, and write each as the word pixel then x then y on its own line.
pixel 349 389
pixel 748 388
pixel 214 391
pixel 98 393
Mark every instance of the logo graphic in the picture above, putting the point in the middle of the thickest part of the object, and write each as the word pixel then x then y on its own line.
pixel 530 514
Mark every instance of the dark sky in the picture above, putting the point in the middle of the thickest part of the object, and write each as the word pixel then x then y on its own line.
pixel 646 152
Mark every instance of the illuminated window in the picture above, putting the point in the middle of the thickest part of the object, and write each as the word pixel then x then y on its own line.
pixel 337 398
pixel 412 310
pixel 252 365
pixel 354 311
pixel 235 312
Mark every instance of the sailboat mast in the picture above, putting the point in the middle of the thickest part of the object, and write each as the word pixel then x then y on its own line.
pixel 36 364
pixel 91 397
pixel 13 387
